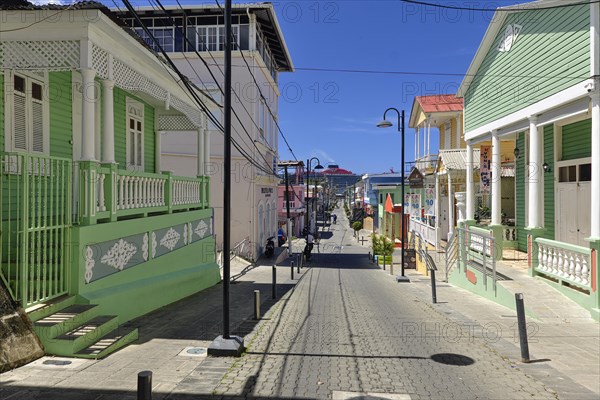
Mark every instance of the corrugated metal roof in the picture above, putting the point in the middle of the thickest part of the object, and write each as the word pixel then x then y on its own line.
pixel 456 159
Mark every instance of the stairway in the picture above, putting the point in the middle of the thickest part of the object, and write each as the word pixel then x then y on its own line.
pixel 69 328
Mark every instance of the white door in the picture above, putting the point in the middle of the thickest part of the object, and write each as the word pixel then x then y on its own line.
pixel 584 203
pixel 443 215
pixel 566 201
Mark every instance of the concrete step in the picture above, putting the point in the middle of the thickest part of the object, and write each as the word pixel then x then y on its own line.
pixel 64 320
pixel 109 343
pixel 82 336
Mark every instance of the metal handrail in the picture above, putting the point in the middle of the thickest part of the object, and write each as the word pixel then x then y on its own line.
pixel 485 256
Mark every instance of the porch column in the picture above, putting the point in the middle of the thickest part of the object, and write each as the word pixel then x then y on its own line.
pixel 88 118
pixel 458 131
pixel 595 210
pixel 470 210
pixel 428 134
pixel 201 134
pixel 207 167
pixel 418 143
pixel 535 176
pixel 450 205
pixel 108 122
pixel 496 180
pixel 157 151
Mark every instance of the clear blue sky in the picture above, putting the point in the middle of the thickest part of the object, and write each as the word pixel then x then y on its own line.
pixel 335 116
pixel 332 115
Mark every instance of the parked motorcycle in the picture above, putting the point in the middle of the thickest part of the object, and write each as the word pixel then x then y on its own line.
pixel 270 247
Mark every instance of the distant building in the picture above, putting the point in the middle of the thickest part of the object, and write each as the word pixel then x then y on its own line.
pixel 338 179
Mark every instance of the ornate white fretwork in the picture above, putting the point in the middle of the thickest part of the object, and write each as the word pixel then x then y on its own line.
pixel 169 122
pixel 154 244
pixel 119 255
pixel 201 229
pixel 185 234
pixel 190 232
pixel 39 55
pixel 170 239
pixel 145 247
pixel 89 264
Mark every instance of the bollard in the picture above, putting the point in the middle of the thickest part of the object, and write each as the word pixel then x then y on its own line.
pixel 392 268
pixel 297 268
pixel 144 385
pixel 274 284
pixel 292 271
pixel 522 327
pixel 369 256
pixel 433 288
pixel 257 304
pixel 384 262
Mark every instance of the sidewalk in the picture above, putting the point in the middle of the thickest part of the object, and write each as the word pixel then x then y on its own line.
pixel 562 335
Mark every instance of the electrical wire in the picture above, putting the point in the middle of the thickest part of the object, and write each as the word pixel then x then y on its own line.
pixel 183 79
pixel 465 8
pixel 172 22
pixel 41 20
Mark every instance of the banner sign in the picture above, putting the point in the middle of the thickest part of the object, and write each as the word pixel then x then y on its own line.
pixel 484 168
pixel 415 179
pixel 415 205
pixel 430 201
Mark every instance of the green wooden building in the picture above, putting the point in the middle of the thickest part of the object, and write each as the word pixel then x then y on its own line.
pixel 535 80
pixel 93 232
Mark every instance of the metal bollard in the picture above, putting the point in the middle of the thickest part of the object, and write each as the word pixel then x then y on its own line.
pixel 274 284
pixel 384 262
pixel 144 385
pixel 522 327
pixel 369 256
pixel 433 288
pixel 292 271
pixel 257 304
pixel 297 268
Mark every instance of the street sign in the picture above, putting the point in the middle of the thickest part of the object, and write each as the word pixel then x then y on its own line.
pixel 415 179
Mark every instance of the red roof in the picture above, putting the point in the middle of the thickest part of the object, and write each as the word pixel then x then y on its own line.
pixel 440 103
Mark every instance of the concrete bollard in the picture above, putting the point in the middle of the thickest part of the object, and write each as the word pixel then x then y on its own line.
pixel 257 304
pixel 144 385
pixel 522 327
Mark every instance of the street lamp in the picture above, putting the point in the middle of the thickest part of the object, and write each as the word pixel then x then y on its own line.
pixel 318 166
pixel 386 124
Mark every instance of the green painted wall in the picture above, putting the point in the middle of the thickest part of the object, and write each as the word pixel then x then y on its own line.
pixel 61 119
pixel 121 133
pixel 158 281
pixel 549 183
pixel 577 140
pixel 1 112
pixel 520 194
pixel 550 55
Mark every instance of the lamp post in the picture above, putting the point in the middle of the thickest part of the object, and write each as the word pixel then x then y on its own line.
pixel 386 124
pixel 318 166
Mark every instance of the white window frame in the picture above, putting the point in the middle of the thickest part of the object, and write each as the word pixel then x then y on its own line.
pixel 219 45
pixel 9 112
pixel 135 110
pixel 168 47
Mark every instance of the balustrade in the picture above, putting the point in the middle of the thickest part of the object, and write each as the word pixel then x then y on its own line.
pixel 564 261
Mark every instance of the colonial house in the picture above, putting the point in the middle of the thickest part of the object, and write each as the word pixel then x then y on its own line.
pixel 293 199
pixel 193 37
pixel 94 232
pixel 535 80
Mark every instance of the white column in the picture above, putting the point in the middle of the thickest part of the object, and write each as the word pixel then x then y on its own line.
pixel 496 180
pixel 428 135
pixel 535 175
pixel 108 122
pixel 458 131
pixel 206 151
pixel 426 138
pixel 88 118
pixel 417 155
pixel 200 159
pixel 461 205
pixel 470 210
pixel 595 210
pixel 450 206
pixel 157 151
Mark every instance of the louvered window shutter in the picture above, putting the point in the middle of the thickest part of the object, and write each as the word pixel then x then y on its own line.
pixel 37 118
pixel 19 114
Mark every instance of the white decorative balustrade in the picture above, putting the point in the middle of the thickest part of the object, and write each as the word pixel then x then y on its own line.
pixel 107 192
pixel 564 261
pixel 480 241
pixel 422 228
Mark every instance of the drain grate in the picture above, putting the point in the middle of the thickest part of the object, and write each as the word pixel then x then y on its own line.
pixel 193 352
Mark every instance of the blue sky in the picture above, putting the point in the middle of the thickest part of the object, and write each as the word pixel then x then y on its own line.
pixel 334 118
pixel 332 115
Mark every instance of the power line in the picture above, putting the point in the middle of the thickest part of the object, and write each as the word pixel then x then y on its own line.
pixel 215 80
pixel 450 7
pixel 41 20
pixel 183 79
pixel 261 95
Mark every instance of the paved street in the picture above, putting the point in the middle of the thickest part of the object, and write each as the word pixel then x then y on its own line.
pixel 345 328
